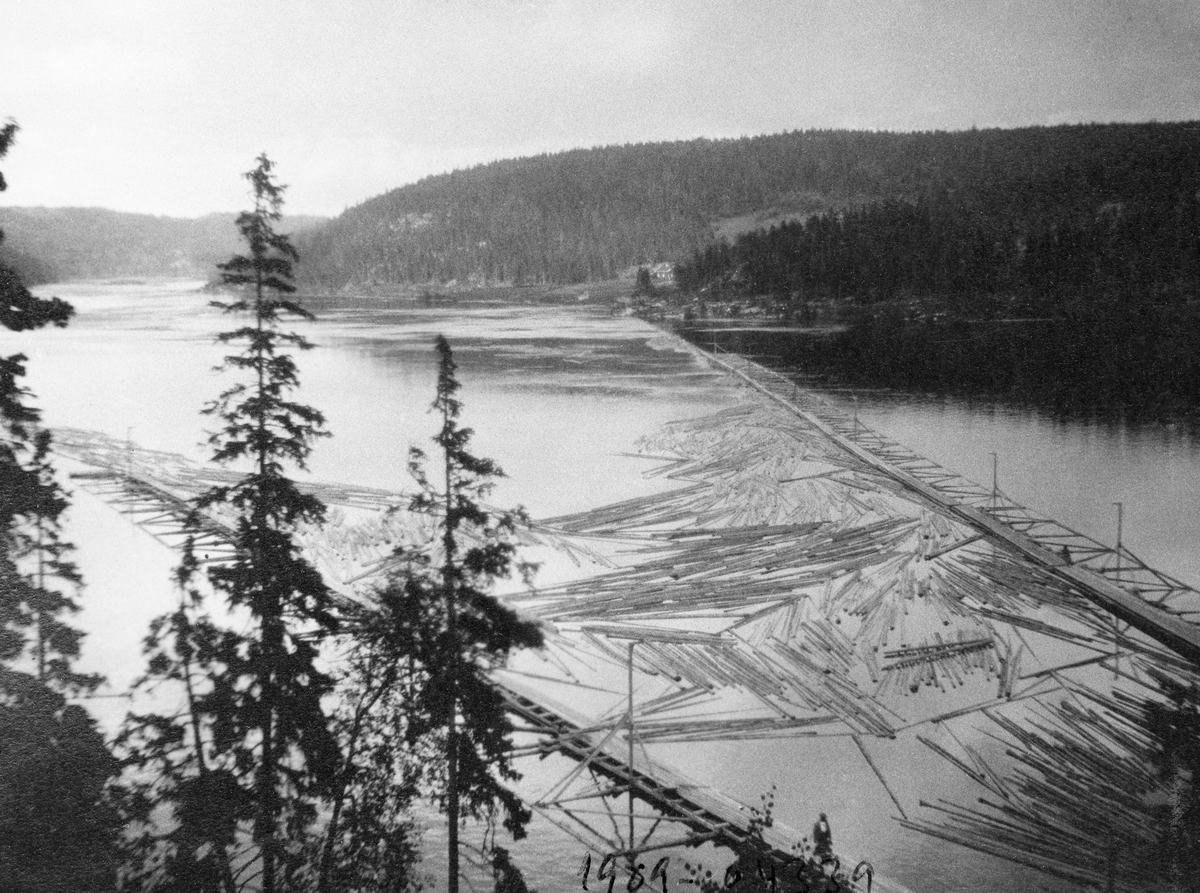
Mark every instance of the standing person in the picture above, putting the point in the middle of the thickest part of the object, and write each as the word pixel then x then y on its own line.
pixel 822 839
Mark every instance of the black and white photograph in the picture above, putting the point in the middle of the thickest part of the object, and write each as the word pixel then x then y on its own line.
pixel 537 446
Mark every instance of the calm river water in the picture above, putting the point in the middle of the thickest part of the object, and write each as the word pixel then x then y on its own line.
pixel 558 395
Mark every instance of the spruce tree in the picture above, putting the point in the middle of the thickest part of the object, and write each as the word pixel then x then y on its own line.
pixel 55 643
pixel 56 829
pixel 267 703
pixel 440 630
pixel 32 553
pixel 253 744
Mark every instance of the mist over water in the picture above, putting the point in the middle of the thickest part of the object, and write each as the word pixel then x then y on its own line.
pixel 559 396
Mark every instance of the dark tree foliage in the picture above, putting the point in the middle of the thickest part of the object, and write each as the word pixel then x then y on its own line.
pixel 1143 246
pixel 254 743
pixel 645 284
pixel 1096 286
pixel 55 643
pixel 371 841
pixel 506 876
pixel 439 630
pixel 33 555
pixel 56 831
pixel 590 214
pixel 32 502
pixel 20 310
pixel 271 688
pixel 185 800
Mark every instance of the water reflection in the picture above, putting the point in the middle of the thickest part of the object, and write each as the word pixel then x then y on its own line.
pixel 1074 471
pixel 558 396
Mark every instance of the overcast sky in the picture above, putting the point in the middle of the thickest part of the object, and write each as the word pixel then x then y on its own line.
pixel 158 106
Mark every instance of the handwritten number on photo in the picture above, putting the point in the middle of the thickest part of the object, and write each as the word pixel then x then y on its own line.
pixel 660 872
pixel 636 875
pixel 862 868
pixel 609 861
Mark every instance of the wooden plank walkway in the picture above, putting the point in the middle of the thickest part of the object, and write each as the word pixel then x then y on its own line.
pixel 707 814
pixel 1176 633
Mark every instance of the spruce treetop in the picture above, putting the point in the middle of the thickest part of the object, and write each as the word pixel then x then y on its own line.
pixel 261 423
pixel 247 763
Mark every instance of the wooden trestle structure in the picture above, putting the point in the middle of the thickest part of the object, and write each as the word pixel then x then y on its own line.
pixel 153 489
pixel 1130 589
pixel 701 814
pixel 801 579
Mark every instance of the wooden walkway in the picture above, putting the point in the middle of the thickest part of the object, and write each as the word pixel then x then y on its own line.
pixel 703 814
pixel 152 490
pixel 792 614
pixel 1133 592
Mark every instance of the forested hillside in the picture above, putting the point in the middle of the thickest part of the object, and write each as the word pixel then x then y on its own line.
pixel 858 215
pixel 589 214
pixel 1145 245
pixel 1123 220
pixel 1066 275
pixel 55 244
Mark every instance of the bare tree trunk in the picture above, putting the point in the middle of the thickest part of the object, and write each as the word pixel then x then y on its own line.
pixel 452 724
pixel 41 620
pixel 268 807
pixel 271 633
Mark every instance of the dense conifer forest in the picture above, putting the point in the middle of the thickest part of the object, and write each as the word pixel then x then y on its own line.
pixel 943 210
pixel 858 215
pixel 1064 276
pixel 1080 313
pixel 1136 246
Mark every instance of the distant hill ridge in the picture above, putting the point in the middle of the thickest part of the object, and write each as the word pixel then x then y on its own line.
pixel 48 244
pixel 591 214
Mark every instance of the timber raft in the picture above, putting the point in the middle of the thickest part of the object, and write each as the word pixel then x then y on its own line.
pixel 804 579
pixel 1039 540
